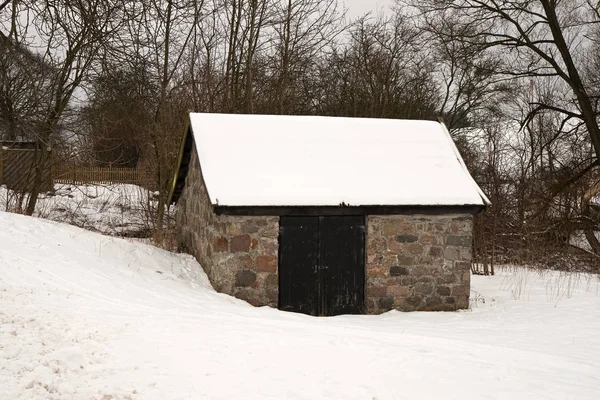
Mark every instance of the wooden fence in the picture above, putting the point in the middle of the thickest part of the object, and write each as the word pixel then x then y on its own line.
pixel 75 174
pixel 17 169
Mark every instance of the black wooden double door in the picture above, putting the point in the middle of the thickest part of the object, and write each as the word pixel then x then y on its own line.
pixel 322 264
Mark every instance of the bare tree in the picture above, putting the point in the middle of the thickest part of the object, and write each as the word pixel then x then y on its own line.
pixel 245 23
pixel 472 90
pixel 68 37
pixel 304 31
pixel 379 73
pixel 538 39
pixel 158 34
pixel 24 84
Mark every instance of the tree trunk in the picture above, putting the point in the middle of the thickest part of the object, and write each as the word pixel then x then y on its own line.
pixel 40 163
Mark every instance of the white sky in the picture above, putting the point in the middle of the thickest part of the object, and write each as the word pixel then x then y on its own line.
pixel 357 8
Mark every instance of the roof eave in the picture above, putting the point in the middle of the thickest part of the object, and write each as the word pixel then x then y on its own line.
pixel 350 210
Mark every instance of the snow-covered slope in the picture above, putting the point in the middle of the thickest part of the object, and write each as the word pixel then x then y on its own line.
pixel 85 316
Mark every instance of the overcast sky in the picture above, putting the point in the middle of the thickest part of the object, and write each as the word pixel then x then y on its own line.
pixel 360 7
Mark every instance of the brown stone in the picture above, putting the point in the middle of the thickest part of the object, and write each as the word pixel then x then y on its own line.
pixel 405 260
pixel 465 254
pixel 462 265
pixel 426 238
pixel 406 238
pixel 271 230
pixel 408 280
pixel 388 260
pixel 398 271
pixel 452 278
pixel 266 263
pixel 397 226
pixel 398 291
pixel 272 281
pixel 462 303
pixel 245 278
pixel 461 290
pixel 423 288
pixel 391 281
pixel 435 227
pixel 233 229
pixel 220 244
pixel 386 303
pixel 376 291
pixel 443 290
pixel 425 279
pixel 254 244
pixel 462 241
pixel 373 227
pixel 244 260
pixel 248 295
pixel 433 301
pixel 269 245
pixel 394 247
pixel 272 287
pixel 436 252
pixel 414 300
pixel 240 243
pixel 465 277
pixel 414 248
pixel 249 226
pixel 375 272
pixel 376 245
pixel 371 305
pixel 451 253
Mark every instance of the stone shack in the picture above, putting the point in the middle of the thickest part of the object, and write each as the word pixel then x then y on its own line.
pixel 327 216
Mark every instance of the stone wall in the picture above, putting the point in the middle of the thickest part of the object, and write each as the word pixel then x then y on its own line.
pixel 239 254
pixel 418 262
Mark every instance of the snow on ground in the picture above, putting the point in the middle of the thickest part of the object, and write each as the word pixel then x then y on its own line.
pixel 86 316
pixel 114 209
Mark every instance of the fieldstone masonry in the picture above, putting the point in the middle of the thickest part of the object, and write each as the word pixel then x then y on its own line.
pixel 418 262
pixel 414 262
pixel 238 253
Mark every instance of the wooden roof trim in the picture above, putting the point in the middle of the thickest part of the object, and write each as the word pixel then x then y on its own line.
pixel 181 166
pixel 348 210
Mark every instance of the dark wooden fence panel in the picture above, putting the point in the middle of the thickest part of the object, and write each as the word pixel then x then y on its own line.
pixel 17 172
pixel 17 169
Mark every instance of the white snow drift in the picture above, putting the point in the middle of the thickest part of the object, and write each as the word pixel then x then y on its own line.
pixel 85 316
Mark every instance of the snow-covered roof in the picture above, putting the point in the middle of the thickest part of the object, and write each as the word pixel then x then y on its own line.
pixel 268 160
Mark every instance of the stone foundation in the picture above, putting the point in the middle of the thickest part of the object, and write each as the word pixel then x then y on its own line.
pixel 418 262
pixel 414 262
